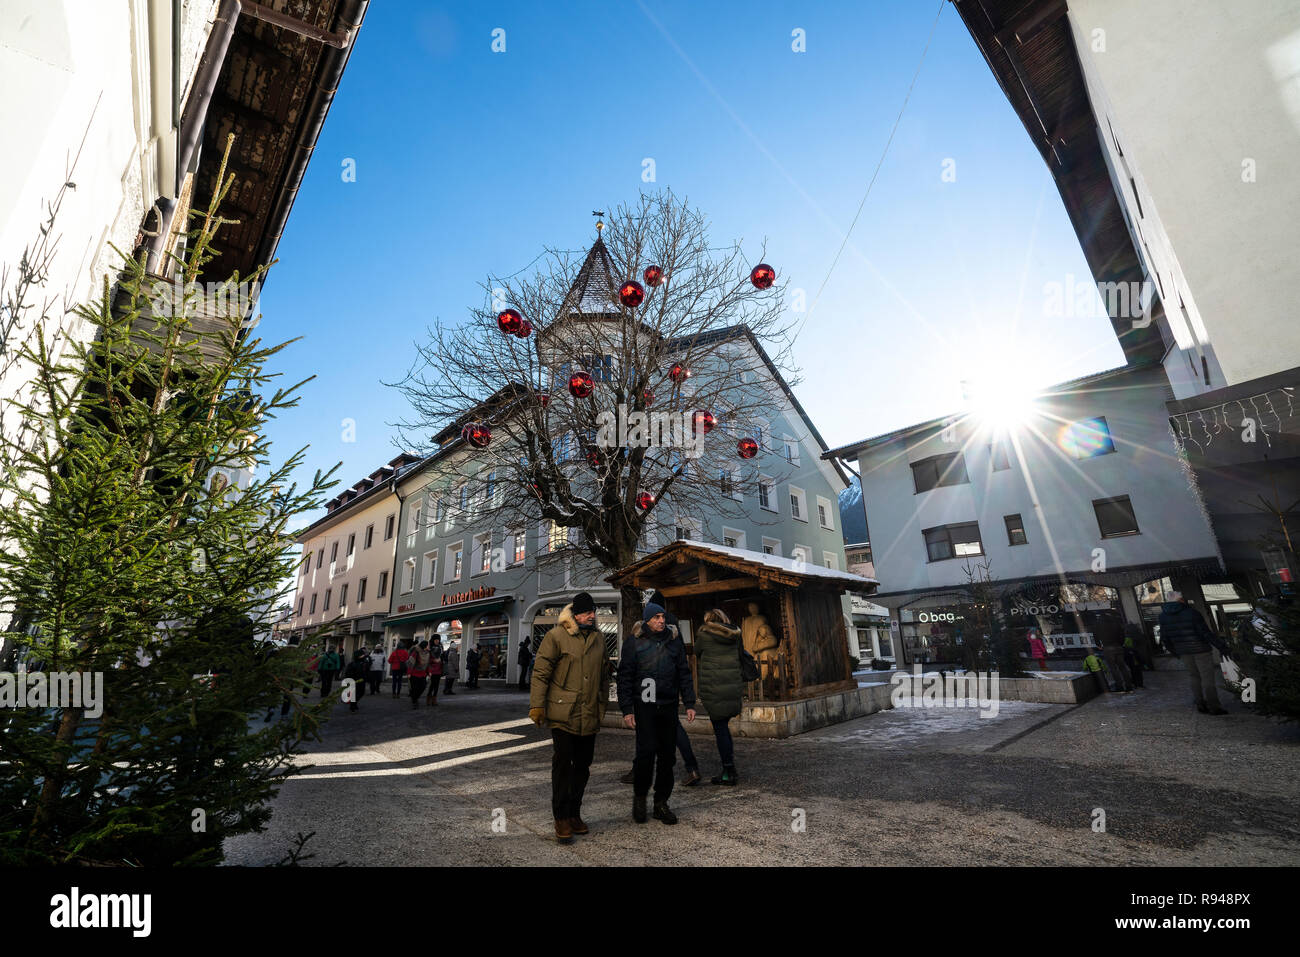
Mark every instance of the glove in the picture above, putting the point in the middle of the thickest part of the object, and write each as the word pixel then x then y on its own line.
pixel 535 715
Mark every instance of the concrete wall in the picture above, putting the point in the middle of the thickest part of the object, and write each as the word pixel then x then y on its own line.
pixel 1198 105
pixel 1051 491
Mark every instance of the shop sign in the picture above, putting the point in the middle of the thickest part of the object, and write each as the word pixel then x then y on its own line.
pixel 402 608
pixel 1056 609
pixel 926 617
pixel 472 595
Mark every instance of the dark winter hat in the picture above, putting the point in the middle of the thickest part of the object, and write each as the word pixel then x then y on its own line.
pixel 651 609
pixel 583 603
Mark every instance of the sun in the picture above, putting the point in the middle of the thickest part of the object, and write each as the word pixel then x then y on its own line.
pixel 1000 403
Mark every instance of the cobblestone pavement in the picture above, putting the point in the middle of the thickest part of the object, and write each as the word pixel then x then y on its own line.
pixel 468 782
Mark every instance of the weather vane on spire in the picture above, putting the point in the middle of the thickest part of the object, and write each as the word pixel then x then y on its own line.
pixel 599 225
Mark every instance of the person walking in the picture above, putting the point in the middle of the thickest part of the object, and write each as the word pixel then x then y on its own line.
pixel 652 674
pixel 435 671
pixel 1132 635
pixel 330 665
pixel 397 662
pixel 569 693
pixel 471 661
pixel 1185 633
pixel 717 657
pixel 375 671
pixel 417 667
pixel 453 667
pixel 1037 649
pixel 525 659
pixel 358 669
pixel 1111 635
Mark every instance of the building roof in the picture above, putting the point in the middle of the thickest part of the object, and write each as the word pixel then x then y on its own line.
pixel 786 571
pixel 1030 48
pixel 853 448
pixel 363 492
pixel 594 292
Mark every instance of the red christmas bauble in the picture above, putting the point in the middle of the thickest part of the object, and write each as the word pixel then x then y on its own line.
pixel 631 294
pixel 525 329
pixel 649 398
pixel 644 501
pixel 653 275
pixel 762 276
pixel 747 448
pixel 543 398
pixel 679 373
pixel 581 385
pixel 595 459
pixel 707 420
pixel 509 321
pixel 477 434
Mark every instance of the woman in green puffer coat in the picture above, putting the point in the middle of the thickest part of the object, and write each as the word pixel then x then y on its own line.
pixel 717 652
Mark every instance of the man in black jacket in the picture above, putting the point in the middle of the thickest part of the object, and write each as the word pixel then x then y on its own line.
pixel 1184 633
pixel 652 674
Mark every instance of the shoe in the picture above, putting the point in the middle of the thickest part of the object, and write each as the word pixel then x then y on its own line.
pixel 578 826
pixel 432 702
pixel 1202 707
pixel 727 777
pixel 664 813
pixel 1217 711
pixel 563 831
pixel 628 778
pixel 638 809
pixel 692 778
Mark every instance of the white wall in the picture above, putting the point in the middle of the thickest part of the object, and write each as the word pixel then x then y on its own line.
pixel 1052 492
pixel 1192 90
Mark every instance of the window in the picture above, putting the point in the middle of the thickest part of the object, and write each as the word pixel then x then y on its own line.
pixel 733 538
pixel 600 367
pixel 798 504
pixel 830 561
pixel 763 434
pixel 1087 438
pixel 938 471
pixel 320 559
pixel 313 605
pixel 327 599
pixel 408 575
pixel 724 481
pixel 800 553
pixel 1015 530
pixel 352 543
pixel 998 456
pixel 1115 516
pixel 462 498
pixel 766 493
pixel 370 537
pixel 334 553
pixel 300 601
pixel 772 546
pixel 953 541
pixel 730 487
pixel 455 556
pixel 490 491
pixel 483 551
pixel 429 578
pixel 557 536
pixel 792 450
pixel 824 514
pixel 520 545
pixel 440 510
pixel 306 562
pixel 361 592
pixel 388 526
pixel 343 596
pixel 383 585
pixel 687 528
pixel 413 520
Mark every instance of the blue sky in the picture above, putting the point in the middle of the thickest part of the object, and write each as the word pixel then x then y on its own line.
pixel 469 162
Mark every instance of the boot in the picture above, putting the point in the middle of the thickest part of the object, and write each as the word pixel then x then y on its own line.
pixel 692 777
pixel 664 813
pixel 728 776
pixel 563 830
pixel 1202 707
pixel 638 808
pixel 578 826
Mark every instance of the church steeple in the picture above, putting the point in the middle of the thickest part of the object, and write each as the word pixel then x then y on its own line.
pixel 594 291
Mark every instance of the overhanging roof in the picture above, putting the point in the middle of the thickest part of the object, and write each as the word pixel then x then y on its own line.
pixel 777 570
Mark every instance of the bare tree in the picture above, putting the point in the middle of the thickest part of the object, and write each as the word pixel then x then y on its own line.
pixel 553 455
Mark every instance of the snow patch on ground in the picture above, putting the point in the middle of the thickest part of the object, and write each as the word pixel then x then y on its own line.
pixel 912 720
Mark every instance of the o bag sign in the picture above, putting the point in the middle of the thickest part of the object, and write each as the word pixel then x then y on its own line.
pixel 925 617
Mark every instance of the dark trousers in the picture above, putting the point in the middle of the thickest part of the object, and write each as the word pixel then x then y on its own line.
pixel 523 678
pixel 656 751
pixel 446 688
pixel 1118 670
pixel 722 733
pixel 397 682
pixel 570 769
pixel 1134 666
pixel 433 687
pixel 374 679
pixel 684 746
pixel 326 682
pixel 360 691
pixel 417 688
